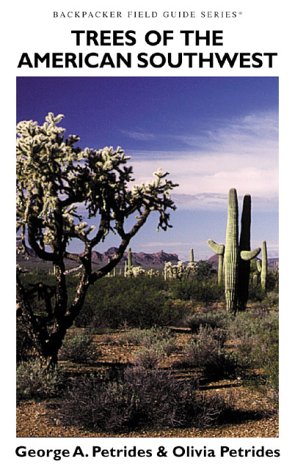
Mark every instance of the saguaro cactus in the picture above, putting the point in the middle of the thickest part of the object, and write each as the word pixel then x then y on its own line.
pixel 128 264
pixel 219 250
pixel 233 255
pixel 129 258
pixel 244 265
pixel 191 269
pixel 231 252
pixel 262 266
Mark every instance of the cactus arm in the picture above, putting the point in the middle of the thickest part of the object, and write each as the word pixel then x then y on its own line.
pixel 264 266
pixel 219 250
pixel 220 270
pixel 215 247
pixel 248 255
pixel 259 265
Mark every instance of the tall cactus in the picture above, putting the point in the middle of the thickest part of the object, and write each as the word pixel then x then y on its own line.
pixel 233 255
pixel 125 269
pixel 129 259
pixel 191 269
pixel 244 265
pixel 262 267
pixel 128 267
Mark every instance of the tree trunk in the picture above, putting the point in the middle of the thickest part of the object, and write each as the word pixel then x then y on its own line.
pixel 52 348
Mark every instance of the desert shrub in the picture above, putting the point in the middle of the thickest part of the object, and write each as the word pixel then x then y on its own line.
pixel 155 334
pixel 133 336
pixel 183 289
pixel 86 316
pixel 142 302
pixel 204 270
pixel 36 382
pixel 255 322
pixel 271 299
pixel 142 398
pixel 265 353
pixel 205 351
pixel 149 358
pixel 256 294
pixel 168 346
pixel 139 302
pixel 272 283
pixel 202 348
pixel 205 319
pixel 257 343
pixel 108 340
pixel 79 348
pixel 178 309
pixel 147 336
pixel 205 291
pixel 154 344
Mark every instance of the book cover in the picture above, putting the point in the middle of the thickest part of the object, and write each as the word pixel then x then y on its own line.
pixel 149 316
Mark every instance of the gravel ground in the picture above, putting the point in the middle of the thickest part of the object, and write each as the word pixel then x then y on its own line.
pixel 39 419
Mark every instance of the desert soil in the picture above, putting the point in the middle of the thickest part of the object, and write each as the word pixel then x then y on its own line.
pixel 40 418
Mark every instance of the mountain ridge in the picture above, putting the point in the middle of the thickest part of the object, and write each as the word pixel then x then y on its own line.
pixel 155 260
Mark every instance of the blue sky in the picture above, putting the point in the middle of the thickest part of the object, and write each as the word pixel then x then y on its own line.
pixel 211 134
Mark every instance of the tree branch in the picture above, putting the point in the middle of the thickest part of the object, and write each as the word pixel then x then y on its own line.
pixel 122 248
pixel 46 256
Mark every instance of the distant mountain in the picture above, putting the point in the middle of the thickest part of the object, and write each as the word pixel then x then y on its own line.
pixel 146 260
pixel 143 259
pixel 154 260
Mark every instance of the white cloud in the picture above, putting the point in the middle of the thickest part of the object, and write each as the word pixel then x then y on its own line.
pixel 142 136
pixel 240 154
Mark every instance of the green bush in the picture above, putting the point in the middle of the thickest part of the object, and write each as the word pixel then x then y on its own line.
pixel 143 302
pixel 205 290
pixel 204 270
pixel 86 316
pixel 35 382
pixel 256 294
pixel 79 348
pixel 139 302
pixel 272 281
pixel 256 333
